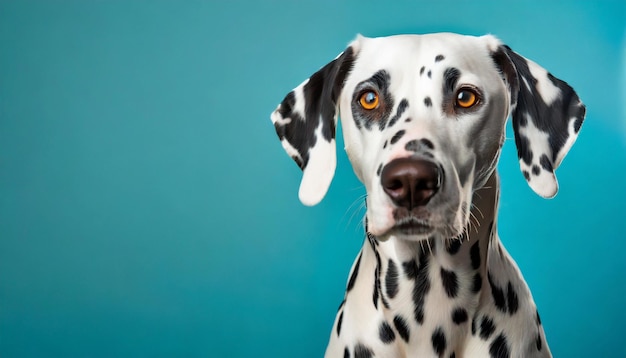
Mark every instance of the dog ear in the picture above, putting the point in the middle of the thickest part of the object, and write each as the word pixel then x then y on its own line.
pixel 547 115
pixel 305 122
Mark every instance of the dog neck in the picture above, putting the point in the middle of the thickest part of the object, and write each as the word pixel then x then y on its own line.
pixel 446 272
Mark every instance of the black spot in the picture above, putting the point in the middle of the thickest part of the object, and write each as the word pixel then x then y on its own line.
pixel 421 287
pixel 371 238
pixel 396 137
pixel 536 169
pixel 429 74
pixel 422 70
pixel 402 327
pixel 577 124
pixel 407 120
pixel 339 322
pixel 379 170
pixel 385 145
pixel 450 282
pixel 439 58
pixel 402 106
pixel 486 328
pixel 538 318
pixel 439 341
pixel 474 319
pixel 361 351
pixel 428 102
pixel 377 286
pixel 354 274
pixel 386 333
pixel 526 175
pixel 391 279
pixel 346 353
pixel 459 315
pixel 450 78
pixel 412 145
pixel 375 295
pixel 498 294
pixel 499 348
pixel 523 149
pixel 475 256
pixel 410 269
pixel 538 342
pixel 453 355
pixel 545 163
pixel 454 246
pixel 427 143
pixel 477 283
pixel 511 298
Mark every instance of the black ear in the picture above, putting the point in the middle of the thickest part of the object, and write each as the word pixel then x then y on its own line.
pixel 305 122
pixel 547 115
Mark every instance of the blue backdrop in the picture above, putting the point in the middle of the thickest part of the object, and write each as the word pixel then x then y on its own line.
pixel 147 208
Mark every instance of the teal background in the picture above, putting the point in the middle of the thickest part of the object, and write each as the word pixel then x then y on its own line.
pixel 147 208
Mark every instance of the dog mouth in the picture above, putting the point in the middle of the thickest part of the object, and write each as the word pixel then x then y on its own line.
pixel 411 225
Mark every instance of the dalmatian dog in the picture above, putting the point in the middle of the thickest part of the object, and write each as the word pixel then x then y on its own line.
pixel 423 118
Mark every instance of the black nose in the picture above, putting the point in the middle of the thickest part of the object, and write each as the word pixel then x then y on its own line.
pixel 410 182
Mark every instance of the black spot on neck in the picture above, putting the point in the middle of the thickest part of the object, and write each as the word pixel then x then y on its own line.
pixel 486 328
pixel 402 327
pixel 475 256
pixel 386 334
pixel 450 282
pixel 391 279
pixel 459 315
pixel 362 351
pixel 439 341
pixel 499 348
pixel 477 283
pixel 454 246
pixel 498 294
pixel 355 273
pixel 339 322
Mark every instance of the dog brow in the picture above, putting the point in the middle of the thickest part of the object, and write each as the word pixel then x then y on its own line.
pixel 450 78
pixel 380 79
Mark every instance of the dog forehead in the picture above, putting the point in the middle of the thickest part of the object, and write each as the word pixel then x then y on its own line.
pixel 407 54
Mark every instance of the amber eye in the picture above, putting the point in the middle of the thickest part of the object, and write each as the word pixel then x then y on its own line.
pixel 369 100
pixel 466 98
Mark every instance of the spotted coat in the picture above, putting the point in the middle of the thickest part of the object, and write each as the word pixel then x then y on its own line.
pixel 423 118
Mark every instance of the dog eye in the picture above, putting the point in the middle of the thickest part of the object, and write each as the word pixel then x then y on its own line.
pixel 466 98
pixel 369 100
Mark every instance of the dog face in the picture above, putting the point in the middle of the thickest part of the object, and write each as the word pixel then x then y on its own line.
pixel 423 119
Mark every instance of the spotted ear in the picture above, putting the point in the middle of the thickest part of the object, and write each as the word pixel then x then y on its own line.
pixel 305 122
pixel 547 115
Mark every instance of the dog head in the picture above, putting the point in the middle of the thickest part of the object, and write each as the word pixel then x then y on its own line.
pixel 423 118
